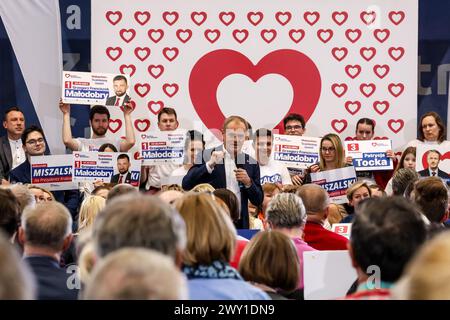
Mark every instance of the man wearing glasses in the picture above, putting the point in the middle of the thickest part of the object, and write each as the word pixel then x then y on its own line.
pixel 294 125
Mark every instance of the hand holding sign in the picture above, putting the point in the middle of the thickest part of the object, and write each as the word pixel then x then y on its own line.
pixel 64 107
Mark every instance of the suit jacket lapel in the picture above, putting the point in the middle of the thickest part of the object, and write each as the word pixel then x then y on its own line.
pixel 7 148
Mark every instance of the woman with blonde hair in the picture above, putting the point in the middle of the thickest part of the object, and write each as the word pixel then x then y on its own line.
pixel 355 194
pixel 203 187
pixel 211 241
pixel 89 209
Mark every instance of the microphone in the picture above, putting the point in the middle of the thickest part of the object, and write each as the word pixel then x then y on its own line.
pixel 239 166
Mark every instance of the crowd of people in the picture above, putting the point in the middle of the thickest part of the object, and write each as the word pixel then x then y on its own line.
pixel 175 236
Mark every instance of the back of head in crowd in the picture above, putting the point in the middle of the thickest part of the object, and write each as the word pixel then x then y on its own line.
pixel 401 179
pixel 136 274
pixel 9 212
pixel 230 200
pixel 120 190
pixel 431 196
pixel 315 199
pixel 89 209
pixel 386 233
pixel 139 221
pixel 286 211
pixel 23 195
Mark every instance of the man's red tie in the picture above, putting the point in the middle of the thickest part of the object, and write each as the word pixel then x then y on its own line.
pixel 117 102
pixel 120 179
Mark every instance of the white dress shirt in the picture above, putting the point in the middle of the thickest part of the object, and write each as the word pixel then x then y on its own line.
pixel 17 152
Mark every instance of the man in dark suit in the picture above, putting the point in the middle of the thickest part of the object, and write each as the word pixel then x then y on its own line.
pixel 433 158
pixel 120 88
pixel 11 151
pixel 123 165
pixel 46 232
pixel 227 167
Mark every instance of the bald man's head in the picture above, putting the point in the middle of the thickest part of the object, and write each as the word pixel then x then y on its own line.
pixel 315 199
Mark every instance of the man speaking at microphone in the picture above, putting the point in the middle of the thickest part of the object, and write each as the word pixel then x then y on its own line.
pixel 228 167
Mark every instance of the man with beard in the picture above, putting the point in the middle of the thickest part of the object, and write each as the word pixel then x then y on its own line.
pixel 123 165
pixel 120 88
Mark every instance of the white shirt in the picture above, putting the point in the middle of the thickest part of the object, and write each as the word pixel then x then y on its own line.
pixel 416 143
pixel 274 172
pixel 176 177
pixel 95 144
pixel 158 174
pixel 17 152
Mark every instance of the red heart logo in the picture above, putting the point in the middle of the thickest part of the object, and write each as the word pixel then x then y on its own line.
pixel 127 34
pixel 268 35
pixel 339 125
pixel 381 70
pixel 170 89
pixel 212 35
pixel 353 35
pixel 367 89
pixel 381 106
pixel 142 53
pixel 352 107
pixel 350 138
pixel 296 35
pixel 255 17
pixel 443 157
pixel 396 17
pixel 368 17
pixel 367 53
pixel 184 35
pixel 396 125
pixel 325 35
pixel 170 53
pixel 396 89
pixel 240 35
pixel 114 53
pixel 198 17
pixel 211 69
pixel 142 89
pixel 132 104
pixel 339 17
pixel 155 35
pixel 283 18
pixel 227 18
pixel 311 17
pixel 155 106
pixel 155 71
pixel 353 71
pixel 339 89
pixel 396 53
pixel 381 34
pixel 170 17
pixel 339 53
pixel 382 138
pixel 127 69
pixel 142 125
pixel 113 17
pixel 114 125
pixel 137 155
pixel 142 17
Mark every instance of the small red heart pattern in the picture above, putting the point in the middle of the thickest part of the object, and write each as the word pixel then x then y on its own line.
pixel 356 41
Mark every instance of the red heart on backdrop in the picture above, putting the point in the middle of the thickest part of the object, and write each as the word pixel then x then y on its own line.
pixel 381 70
pixel 396 125
pixel 396 53
pixel 129 69
pixel 353 71
pixel 350 138
pixel 213 67
pixel 142 89
pixel 339 125
pixel 396 89
pixel 381 34
pixel 381 107
pixel 240 35
pixel 339 17
pixel 367 89
pixel 132 103
pixel 170 17
pixel 113 17
pixel 142 53
pixel 268 35
pixel 352 107
pixel 114 125
pixel 339 89
pixel 155 34
pixel 198 17
pixel 445 156
pixel 368 17
pixel 367 53
pixel 296 35
pixel 170 89
pixel 212 35
pixel 227 18
pixel 127 34
pixel 339 53
pixel 170 53
pixel 396 17
pixel 114 53
pixel 155 71
pixel 381 138
pixel 325 35
pixel 142 17
pixel 283 18
pixel 255 17
pixel 311 17
pixel 155 106
pixel 353 35
pixel 184 35
pixel 142 125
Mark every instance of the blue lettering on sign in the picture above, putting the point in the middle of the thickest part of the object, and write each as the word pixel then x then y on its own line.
pixel 377 159
pixel 51 172
pixel 92 94
pixel 338 185
pixel 296 157
pixel 276 178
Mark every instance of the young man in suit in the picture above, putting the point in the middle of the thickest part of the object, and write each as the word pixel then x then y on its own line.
pixel 228 167
pixel 433 158
pixel 123 165
pixel 11 151
pixel 120 88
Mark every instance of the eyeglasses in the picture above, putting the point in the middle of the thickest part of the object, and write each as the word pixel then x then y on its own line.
pixel 34 142
pixel 330 149
pixel 296 127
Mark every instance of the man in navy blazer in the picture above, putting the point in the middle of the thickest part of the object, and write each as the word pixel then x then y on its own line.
pixel 433 159
pixel 227 167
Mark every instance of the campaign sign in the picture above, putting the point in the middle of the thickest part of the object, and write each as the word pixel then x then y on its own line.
pixel 335 182
pixel 438 162
pixel 369 155
pixel 94 88
pixel 343 229
pixel 53 172
pixel 296 151
pixel 162 147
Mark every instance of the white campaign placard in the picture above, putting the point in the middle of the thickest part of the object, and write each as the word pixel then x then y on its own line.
pixel 53 172
pixel 106 166
pixel 328 274
pixel 92 88
pixel 343 229
pixel 369 155
pixel 162 147
pixel 444 159
pixel 296 151
pixel 332 61
pixel 335 182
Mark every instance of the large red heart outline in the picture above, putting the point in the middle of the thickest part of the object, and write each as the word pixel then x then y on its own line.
pixel 211 69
